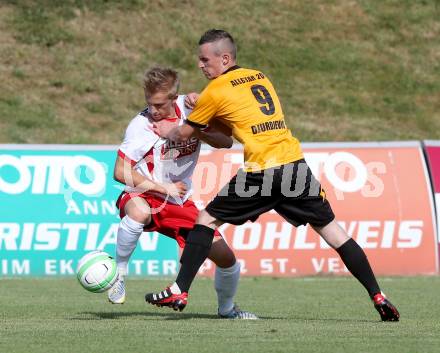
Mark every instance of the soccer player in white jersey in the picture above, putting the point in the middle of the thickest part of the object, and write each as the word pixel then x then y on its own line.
pixel 157 174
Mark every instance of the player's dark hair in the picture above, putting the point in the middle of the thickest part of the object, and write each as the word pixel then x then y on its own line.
pixel 214 35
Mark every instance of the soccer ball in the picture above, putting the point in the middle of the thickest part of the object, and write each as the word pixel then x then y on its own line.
pixel 97 271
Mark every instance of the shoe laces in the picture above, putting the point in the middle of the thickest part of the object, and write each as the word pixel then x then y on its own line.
pixel 118 287
pixel 237 313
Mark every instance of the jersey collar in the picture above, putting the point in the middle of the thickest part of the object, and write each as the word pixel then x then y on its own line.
pixel 232 68
pixel 178 112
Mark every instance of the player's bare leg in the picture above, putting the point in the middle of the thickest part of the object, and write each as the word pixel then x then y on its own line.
pixel 357 263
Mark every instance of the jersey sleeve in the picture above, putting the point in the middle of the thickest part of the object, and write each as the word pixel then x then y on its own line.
pixel 138 140
pixel 204 111
pixel 181 105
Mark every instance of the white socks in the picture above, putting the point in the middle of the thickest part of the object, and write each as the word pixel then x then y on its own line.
pixel 226 283
pixel 129 232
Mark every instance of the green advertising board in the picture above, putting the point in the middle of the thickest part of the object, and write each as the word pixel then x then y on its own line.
pixel 57 204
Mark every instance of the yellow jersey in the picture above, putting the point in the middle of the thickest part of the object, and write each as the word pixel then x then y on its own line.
pixel 245 101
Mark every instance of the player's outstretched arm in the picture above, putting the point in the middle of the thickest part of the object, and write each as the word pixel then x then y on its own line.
pixel 125 174
pixel 177 134
pixel 214 138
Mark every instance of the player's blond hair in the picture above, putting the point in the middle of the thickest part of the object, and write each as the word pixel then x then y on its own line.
pixel 161 79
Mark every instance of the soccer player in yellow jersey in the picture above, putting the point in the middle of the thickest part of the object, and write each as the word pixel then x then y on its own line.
pixel 275 176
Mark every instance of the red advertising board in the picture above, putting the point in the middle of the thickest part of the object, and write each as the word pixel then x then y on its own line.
pixel 432 150
pixel 380 193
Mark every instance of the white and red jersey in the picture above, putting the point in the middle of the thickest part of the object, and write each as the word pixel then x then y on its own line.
pixel 160 159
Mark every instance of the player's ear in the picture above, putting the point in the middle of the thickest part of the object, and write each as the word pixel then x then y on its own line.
pixel 226 59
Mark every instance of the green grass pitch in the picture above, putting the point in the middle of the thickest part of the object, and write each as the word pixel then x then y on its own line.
pixel 319 314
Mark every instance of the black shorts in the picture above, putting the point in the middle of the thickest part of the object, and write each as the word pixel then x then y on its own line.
pixel 291 190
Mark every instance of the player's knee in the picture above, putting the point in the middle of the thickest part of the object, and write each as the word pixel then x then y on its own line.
pixel 333 234
pixel 139 212
pixel 226 261
pixel 221 254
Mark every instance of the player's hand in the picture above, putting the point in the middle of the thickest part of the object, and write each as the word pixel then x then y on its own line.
pixel 164 127
pixel 191 99
pixel 177 189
